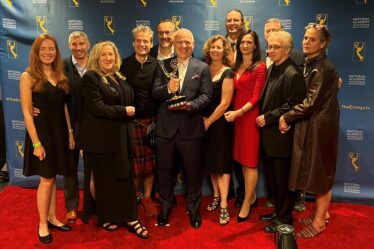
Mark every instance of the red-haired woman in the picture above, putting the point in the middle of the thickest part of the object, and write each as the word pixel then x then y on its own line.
pixel 49 135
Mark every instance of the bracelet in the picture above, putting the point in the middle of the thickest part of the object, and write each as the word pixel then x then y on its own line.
pixel 71 130
pixel 37 145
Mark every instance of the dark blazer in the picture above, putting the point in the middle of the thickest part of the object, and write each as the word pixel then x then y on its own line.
pixel 154 51
pixel 285 92
pixel 74 99
pixel 101 120
pixel 198 91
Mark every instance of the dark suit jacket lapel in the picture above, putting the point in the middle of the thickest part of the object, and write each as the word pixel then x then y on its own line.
pixel 189 72
pixel 263 94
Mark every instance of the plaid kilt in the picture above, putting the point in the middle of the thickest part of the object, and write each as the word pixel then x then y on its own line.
pixel 144 156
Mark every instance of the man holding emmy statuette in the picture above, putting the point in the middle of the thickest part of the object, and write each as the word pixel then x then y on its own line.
pixel 182 86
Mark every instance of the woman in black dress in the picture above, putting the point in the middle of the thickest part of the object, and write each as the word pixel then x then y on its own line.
pixel 49 134
pixel 217 159
pixel 105 138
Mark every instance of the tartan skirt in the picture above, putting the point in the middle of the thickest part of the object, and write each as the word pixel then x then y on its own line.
pixel 144 155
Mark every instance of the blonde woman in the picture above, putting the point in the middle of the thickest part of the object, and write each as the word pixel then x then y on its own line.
pixel 105 137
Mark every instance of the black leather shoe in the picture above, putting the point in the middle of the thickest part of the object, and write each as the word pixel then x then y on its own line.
pixel 45 239
pixel 268 217
pixel 162 219
pixel 63 228
pixel 195 220
pixel 272 227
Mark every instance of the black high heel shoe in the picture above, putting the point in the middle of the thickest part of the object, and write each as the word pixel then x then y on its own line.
pixel 45 239
pixel 242 219
pixel 63 228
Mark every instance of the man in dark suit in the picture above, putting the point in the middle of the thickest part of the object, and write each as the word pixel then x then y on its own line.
pixel 275 25
pixel 165 34
pixel 74 68
pixel 285 87
pixel 179 131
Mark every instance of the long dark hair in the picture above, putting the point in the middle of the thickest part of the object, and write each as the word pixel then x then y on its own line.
pixel 256 52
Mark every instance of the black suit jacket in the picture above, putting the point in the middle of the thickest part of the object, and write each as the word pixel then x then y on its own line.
pixel 102 118
pixel 286 91
pixel 74 99
pixel 196 87
pixel 154 51
pixel 296 56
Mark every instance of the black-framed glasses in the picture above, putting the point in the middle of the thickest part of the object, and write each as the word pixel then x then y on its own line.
pixel 316 26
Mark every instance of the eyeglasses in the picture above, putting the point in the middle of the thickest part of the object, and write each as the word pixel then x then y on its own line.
pixel 274 47
pixel 315 25
pixel 164 33
pixel 187 43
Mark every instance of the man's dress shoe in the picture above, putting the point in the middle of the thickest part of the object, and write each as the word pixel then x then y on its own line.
pixel 71 216
pixel 162 219
pixel 268 217
pixel 195 220
pixel 272 227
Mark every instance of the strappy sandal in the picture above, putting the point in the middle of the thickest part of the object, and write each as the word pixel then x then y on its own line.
pixel 309 220
pixel 224 216
pixel 309 232
pixel 214 204
pixel 138 229
pixel 110 226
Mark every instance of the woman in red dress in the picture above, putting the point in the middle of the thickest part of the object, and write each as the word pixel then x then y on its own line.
pixel 249 80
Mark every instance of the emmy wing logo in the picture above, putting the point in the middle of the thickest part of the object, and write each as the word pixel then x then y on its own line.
pixel 142 3
pixel 19 147
pixel 41 25
pixel 248 22
pixel 74 3
pixel 354 161
pixel 9 2
pixel 321 19
pixel 211 3
pixel 109 25
pixel 358 51
pixel 178 21
pixel 284 2
pixel 12 49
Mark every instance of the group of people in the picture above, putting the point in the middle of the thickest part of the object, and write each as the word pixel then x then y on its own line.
pixel 239 106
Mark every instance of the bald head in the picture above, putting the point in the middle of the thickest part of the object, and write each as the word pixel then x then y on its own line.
pixel 184 43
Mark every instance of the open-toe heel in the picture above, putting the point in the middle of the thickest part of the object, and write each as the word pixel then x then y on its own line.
pixel 224 216
pixel 110 226
pixel 138 229
pixel 214 204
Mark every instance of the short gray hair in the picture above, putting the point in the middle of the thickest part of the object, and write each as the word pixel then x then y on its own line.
pixel 77 34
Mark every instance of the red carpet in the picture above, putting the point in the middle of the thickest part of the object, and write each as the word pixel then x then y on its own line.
pixel 350 227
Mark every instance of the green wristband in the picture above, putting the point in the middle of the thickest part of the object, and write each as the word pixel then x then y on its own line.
pixel 37 145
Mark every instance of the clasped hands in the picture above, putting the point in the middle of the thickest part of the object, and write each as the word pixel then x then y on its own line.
pixel 282 125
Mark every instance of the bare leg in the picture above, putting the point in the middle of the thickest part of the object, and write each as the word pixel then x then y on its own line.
pixel 321 210
pixel 92 185
pixel 214 180
pixel 52 207
pixel 148 184
pixel 43 201
pixel 223 186
pixel 250 180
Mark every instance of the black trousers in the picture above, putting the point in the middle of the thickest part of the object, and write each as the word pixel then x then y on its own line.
pixel 189 153
pixel 71 185
pixel 279 170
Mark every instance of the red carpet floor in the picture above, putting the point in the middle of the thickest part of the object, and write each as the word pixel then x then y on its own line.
pixel 350 227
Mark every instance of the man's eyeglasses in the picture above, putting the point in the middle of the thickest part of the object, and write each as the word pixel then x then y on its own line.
pixel 315 25
pixel 274 47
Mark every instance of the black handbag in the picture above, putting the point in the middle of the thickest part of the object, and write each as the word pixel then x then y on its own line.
pixel 285 238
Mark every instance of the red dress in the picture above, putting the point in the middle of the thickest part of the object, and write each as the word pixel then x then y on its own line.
pixel 248 88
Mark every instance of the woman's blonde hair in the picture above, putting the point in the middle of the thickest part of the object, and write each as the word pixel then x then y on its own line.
pixel 35 68
pixel 93 61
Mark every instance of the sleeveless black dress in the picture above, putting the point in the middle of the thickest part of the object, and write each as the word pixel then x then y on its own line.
pixel 218 140
pixel 52 131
